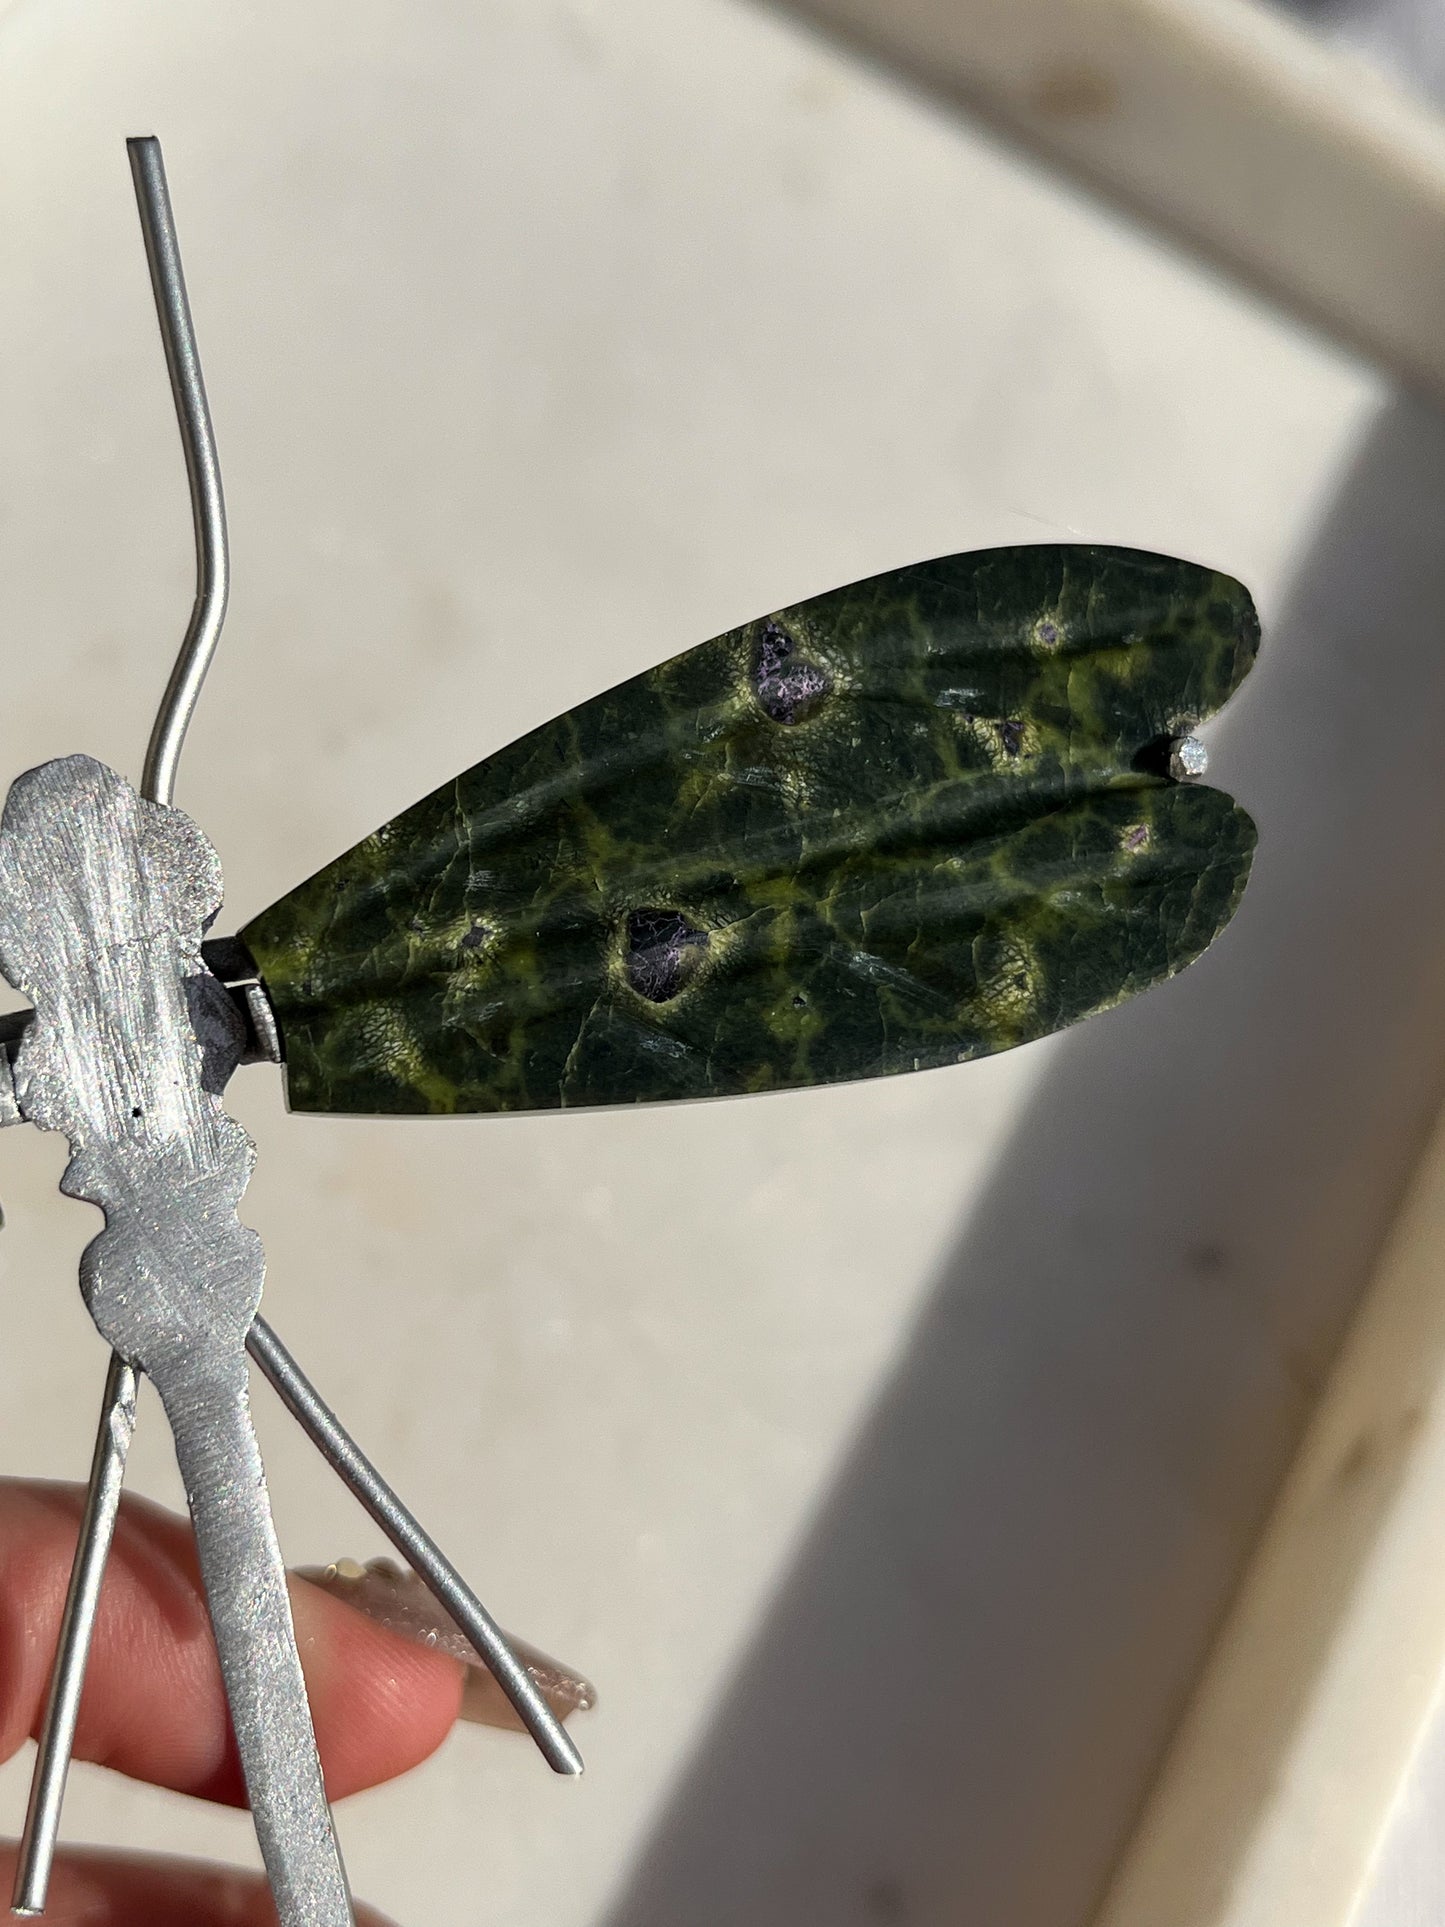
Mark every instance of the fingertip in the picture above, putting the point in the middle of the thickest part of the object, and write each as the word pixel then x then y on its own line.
pixel 381 1703
pixel 153 1705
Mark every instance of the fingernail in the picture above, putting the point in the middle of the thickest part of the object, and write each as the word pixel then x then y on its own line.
pixel 394 1597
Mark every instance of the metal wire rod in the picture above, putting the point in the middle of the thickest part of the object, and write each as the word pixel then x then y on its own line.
pixel 57 1736
pixel 203 470
pixel 203 632
pixel 415 1545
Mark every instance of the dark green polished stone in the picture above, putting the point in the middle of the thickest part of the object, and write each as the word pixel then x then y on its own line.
pixel 907 823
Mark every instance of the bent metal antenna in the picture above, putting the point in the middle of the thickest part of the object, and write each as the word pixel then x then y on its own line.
pixel 911 822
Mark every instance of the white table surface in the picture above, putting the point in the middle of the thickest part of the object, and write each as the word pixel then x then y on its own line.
pixel 886 1454
pixel 1407 1888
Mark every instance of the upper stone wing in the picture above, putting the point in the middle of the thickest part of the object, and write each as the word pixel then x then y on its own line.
pixel 903 824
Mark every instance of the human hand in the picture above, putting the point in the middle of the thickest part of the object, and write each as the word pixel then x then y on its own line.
pixel 154 1708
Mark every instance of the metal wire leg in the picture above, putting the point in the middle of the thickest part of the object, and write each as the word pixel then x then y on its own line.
pixel 77 1624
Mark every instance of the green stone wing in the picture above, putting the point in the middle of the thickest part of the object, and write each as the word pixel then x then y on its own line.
pixel 907 823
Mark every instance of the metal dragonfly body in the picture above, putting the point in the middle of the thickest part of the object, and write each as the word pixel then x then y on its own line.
pixel 103 898
pixel 932 815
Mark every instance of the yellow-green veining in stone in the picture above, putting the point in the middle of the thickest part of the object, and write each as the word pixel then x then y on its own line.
pixel 910 822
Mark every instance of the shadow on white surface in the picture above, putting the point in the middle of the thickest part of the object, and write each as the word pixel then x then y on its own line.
pixel 954 1708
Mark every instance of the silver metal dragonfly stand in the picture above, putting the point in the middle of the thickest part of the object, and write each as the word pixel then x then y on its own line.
pixel 104 898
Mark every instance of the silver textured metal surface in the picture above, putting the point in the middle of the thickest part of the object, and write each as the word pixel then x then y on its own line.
pixel 416 1546
pixel 103 897
pixel 198 646
pixel 263 1023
